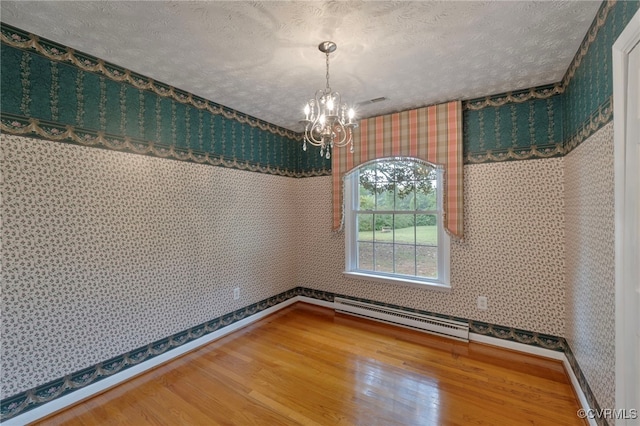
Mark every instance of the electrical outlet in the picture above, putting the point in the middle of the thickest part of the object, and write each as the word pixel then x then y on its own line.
pixel 236 293
pixel 482 303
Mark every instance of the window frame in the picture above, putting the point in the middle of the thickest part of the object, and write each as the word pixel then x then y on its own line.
pixel 351 199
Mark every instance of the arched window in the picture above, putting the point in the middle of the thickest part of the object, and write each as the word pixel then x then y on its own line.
pixel 394 222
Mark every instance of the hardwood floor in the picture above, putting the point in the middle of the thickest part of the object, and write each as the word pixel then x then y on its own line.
pixel 307 365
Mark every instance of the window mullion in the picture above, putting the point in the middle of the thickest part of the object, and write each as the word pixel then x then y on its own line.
pixel 373 242
pixel 393 222
pixel 415 245
pixel 393 240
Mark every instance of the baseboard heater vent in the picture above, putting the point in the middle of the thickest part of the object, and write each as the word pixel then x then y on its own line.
pixel 429 324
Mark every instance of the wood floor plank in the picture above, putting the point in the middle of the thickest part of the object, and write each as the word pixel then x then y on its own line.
pixel 306 365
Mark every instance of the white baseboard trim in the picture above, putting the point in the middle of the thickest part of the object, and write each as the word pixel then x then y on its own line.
pixel 547 353
pixel 578 390
pixel 520 347
pixel 103 385
pixel 313 301
pixel 91 390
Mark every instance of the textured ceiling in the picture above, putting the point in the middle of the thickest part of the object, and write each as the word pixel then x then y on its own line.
pixel 261 58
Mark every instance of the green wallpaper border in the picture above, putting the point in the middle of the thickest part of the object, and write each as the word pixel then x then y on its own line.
pixel 541 122
pixel 15 37
pixel 583 101
pixel 588 82
pixel 53 92
pixel 518 125
pixel 51 131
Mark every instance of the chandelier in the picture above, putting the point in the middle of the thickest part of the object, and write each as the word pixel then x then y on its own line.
pixel 328 123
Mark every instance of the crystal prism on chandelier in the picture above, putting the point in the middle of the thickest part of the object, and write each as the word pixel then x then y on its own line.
pixel 328 122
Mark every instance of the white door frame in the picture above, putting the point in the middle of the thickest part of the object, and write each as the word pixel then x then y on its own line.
pixel 627 180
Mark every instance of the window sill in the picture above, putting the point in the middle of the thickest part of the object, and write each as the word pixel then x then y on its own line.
pixel 427 285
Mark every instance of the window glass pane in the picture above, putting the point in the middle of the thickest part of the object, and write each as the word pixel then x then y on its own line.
pixel 385 172
pixel 383 227
pixel 385 195
pixel 367 174
pixel 427 261
pixel 365 256
pixel 424 172
pixel 366 199
pixel 426 229
pixel 384 257
pixel 405 196
pixel 405 257
pixel 366 187
pixel 365 227
pixel 405 231
pixel 426 197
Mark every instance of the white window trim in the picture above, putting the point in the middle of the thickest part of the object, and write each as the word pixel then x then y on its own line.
pixel 351 250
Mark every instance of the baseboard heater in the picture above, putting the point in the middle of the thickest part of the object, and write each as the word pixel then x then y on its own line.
pixel 429 324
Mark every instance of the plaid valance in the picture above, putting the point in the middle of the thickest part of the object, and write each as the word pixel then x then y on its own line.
pixel 432 133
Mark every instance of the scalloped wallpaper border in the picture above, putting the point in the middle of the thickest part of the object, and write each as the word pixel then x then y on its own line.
pixel 21 126
pixel 56 52
pixel 542 146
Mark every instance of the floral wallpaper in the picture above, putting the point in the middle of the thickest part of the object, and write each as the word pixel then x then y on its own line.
pixel 588 144
pixel 590 273
pixel 100 241
pixel 97 241
pixel 513 250
pixel 103 252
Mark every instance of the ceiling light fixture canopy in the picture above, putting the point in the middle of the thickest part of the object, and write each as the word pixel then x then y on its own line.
pixel 328 122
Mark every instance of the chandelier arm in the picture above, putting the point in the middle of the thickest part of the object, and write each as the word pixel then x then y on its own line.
pixel 345 136
pixel 315 134
pixel 311 140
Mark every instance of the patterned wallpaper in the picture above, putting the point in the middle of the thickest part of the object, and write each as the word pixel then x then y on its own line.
pixel 590 274
pixel 513 251
pixel 104 252
pixel 76 273
pixel 589 270
pixel 56 249
pixel 588 82
pixel 56 93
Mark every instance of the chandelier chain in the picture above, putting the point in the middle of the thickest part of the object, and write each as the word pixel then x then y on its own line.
pixel 328 87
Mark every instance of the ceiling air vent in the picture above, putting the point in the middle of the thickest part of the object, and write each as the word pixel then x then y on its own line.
pixel 373 101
